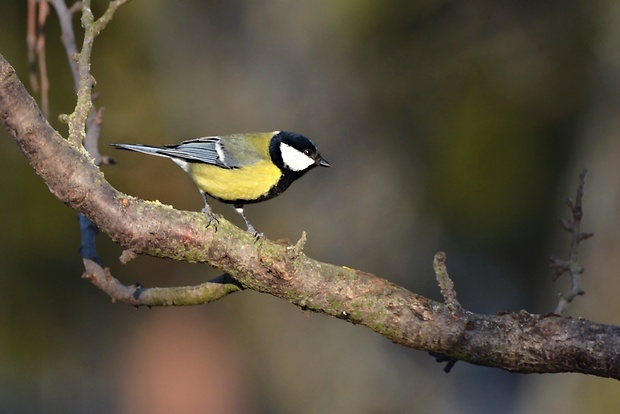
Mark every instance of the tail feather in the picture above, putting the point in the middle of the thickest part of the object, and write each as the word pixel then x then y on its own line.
pixel 160 152
pixel 145 149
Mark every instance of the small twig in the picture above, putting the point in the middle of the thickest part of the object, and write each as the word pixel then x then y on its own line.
pixel 446 286
pixel 571 266
pixel 127 256
pixel 445 283
pixel 294 251
pixel 442 358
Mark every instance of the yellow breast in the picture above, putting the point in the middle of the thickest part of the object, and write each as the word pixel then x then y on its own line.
pixel 235 184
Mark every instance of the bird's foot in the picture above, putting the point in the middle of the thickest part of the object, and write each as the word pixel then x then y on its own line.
pixel 211 218
pixel 254 233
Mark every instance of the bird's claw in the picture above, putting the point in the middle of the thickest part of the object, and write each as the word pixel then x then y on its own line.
pixel 253 232
pixel 211 218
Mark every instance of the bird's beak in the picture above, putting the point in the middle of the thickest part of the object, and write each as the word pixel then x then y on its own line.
pixel 322 163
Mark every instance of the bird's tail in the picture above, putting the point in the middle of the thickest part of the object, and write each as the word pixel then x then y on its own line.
pixel 145 149
pixel 179 158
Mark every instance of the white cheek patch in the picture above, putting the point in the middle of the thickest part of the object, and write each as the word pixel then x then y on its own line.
pixel 294 159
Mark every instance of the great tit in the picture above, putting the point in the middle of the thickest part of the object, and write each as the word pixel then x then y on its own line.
pixel 241 169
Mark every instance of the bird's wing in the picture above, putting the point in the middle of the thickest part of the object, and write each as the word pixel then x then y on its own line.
pixel 248 149
pixel 208 150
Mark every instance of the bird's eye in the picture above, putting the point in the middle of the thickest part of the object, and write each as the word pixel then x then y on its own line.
pixel 307 152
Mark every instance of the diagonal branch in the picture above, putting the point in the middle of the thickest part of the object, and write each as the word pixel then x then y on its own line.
pixel 519 342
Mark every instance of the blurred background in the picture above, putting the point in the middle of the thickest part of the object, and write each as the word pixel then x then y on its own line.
pixel 454 126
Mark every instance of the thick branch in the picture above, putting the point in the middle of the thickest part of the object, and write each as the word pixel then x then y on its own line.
pixel 516 342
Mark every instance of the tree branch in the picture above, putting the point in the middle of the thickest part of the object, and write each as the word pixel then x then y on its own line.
pixel 138 295
pixel 516 342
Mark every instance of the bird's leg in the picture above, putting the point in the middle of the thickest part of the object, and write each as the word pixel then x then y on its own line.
pixel 251 229
pixel 206 210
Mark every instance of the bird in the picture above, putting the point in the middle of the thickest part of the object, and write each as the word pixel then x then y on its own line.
pixel 240 169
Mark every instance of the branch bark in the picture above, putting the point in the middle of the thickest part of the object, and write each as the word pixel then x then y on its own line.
pixel 519 342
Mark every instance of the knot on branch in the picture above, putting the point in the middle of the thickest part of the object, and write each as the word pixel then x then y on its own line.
pixel 284 268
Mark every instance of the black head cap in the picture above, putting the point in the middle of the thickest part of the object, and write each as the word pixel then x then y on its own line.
pixel 295 153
